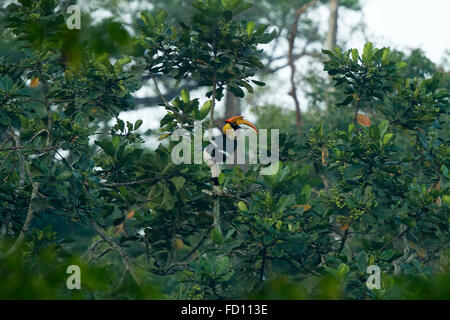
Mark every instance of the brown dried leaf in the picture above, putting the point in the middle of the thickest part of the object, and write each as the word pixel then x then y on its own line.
pixel 363 120
pixel 34 82
pixel 345 226
pixel 305 207
pixel 119 229
pixel 130 214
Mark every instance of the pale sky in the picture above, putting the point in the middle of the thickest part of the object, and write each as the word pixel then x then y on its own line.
pixel 421 24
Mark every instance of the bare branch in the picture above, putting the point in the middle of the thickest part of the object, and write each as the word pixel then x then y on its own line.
pixel 291 60
pixel 166 103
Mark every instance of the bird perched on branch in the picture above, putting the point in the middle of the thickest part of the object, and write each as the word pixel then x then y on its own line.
pixel 217 152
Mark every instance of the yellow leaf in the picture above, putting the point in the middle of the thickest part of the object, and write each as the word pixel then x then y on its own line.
pixel 164 136
pixel 355 96
pixel 345 226
pixel 305 207
pixel 130 214
pixel 178 244
pixel 34 82
pixel 201 62
pixel 242 206
pixel 363 120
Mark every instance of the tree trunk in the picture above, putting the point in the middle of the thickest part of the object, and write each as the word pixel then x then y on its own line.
pixel 332 24
pixel 232 105
pixel 332 38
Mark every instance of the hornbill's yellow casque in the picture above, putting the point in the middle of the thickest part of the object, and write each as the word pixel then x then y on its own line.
pixel 215 154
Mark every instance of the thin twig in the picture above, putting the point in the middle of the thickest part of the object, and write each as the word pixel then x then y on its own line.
pixel 125 258
pixel 101 254
pixel 194 249
pixel 396 237
pixel 92 247
pixel 166 103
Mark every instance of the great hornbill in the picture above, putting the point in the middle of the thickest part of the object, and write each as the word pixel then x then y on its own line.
pixel 215 154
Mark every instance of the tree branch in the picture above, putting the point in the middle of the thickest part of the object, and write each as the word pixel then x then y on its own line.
pixel 291 60
pixel 29 217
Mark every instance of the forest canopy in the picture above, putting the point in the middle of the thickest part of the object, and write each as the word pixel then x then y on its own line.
pixel 362 178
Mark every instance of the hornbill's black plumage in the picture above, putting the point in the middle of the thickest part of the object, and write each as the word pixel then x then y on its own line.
pixel 215 154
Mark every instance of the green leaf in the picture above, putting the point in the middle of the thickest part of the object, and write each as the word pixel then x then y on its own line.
pixel 330 55
pixel 161 16
pixel 148 19
pixel 259 83
pixel 261 29
pixel 383 126
pixel 205 110
pixel 255 61
pixel 342 270
pixel 306 192
pixel 346 101
pixel 355 55
pixel 268 37
pixel 178 182
pixel 216 236
pixel 242 206
pixel 246 86
pixel 285 201
pixel 168 201
pixel 164 136
pixel 107 147
pixel 238 92
pixel 401 65
pixel 385 58
pixel 387 137
pixel 138 124
pixel 444 170
pixel 368 52
pixel 250 28
pixel 63 176
pixel 221 178
pixel 388 255
pixel 185 96
pixel 244 6
pixel 115 141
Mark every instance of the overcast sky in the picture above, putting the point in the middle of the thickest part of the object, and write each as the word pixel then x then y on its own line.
pixel 410 24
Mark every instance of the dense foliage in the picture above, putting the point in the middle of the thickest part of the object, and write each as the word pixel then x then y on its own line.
pixel 78 186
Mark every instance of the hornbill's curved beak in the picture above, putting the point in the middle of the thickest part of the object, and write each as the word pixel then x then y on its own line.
pixel 234 122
